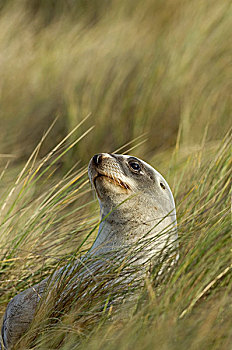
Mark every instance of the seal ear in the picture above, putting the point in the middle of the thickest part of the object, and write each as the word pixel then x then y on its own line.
pixel 162 185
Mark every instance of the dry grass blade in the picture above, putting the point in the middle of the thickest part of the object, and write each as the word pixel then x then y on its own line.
pixel 205 290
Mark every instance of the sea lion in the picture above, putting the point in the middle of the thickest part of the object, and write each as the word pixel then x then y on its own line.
pixel 136 205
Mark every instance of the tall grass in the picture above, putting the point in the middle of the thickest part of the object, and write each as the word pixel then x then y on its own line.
pixel 188 306
pixel 144 65
pixel 152 71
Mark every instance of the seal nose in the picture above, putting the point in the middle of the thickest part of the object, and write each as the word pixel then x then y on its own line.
pixel 97 159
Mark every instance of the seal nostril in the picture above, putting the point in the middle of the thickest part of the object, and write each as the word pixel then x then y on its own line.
pixel 97 159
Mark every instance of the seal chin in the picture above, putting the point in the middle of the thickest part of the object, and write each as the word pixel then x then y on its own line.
pixel 106 186
pixel 102 177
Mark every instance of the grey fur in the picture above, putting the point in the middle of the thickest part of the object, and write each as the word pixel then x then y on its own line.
pixel 135 206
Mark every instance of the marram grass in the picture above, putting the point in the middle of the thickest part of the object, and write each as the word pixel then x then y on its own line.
pixel 154 67
pixel 44 224
pixel 145 65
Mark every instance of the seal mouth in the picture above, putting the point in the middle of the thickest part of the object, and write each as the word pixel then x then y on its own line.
pixel 116 181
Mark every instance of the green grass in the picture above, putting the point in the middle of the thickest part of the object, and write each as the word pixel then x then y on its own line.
pixel 189 306
pixel 152 76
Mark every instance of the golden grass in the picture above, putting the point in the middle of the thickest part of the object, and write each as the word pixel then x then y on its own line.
pixel 188 306
pixel 157 71
pixel 147 66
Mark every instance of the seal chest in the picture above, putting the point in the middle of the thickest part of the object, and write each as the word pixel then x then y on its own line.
pixel 136 205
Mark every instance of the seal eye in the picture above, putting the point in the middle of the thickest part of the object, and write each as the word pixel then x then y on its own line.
pixel 162 185
pixel 134 166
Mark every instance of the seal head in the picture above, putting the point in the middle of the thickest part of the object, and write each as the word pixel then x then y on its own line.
pixel 136 203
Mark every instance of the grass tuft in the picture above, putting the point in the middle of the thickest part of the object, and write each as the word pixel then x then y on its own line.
pixel 188 305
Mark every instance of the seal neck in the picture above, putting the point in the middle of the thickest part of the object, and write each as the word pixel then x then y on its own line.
pixel 121 229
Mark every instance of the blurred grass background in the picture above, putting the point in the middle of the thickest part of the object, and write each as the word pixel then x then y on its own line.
pixel 137 66
pixel 155 71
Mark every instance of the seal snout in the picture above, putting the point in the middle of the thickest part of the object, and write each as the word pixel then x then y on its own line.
pixel 105 169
